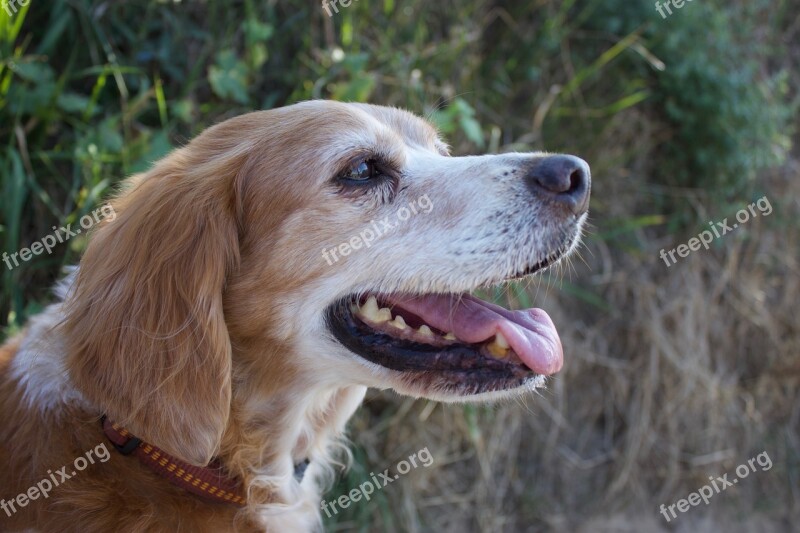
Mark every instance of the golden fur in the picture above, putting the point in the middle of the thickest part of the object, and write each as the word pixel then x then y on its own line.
pixel 186 323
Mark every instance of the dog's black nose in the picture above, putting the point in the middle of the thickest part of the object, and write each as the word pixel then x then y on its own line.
pixel 565 179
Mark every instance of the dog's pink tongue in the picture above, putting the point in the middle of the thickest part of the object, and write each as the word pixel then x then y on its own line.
pixel 530 332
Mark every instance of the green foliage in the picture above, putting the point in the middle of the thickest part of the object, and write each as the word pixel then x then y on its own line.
pixel 228 77
pixel 726 120
pixel 459 115
pixel 76 118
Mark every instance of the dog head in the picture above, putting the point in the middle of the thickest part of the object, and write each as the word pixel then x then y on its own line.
pixel 310 247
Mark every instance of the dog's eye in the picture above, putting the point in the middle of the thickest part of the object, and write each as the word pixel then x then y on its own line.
pixel 361 172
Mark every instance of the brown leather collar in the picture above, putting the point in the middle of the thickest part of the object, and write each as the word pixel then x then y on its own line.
pixel 210 483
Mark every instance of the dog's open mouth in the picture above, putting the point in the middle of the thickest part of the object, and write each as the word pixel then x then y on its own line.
pixel 460 340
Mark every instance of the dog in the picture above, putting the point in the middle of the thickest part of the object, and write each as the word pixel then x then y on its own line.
pixel 201 362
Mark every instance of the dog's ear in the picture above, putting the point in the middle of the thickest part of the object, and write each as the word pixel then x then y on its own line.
pixel 146 336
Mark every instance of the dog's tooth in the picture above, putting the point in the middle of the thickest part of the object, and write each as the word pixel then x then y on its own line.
pixel 500 340
pixel 398 322
pixel 384 314
pixel 498 347
pixel 449 337
pixel 370 308
pixel 497 351
pixel 425 331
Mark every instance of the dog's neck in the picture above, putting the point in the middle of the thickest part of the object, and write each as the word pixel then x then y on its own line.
pixel 269 434
pixel 272 429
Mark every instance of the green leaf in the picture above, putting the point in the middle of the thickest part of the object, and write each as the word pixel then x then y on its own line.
pixel 357 90
pixel 11 21
pixel 257 32
pixel 24 99
pixel 466 119
pixel 72 102
pixel 33 71
pixel 183 110
pixel 472 129
pixel 228 77
pixel 109 136
pixel 158 147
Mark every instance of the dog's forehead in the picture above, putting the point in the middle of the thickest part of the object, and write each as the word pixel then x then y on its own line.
pixel 409 126
pixel 379 121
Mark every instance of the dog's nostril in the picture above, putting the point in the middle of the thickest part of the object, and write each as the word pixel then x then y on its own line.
pixel 565 179
pixel 576 180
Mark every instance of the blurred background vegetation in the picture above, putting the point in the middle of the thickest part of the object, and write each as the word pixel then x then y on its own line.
pixel 672 374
